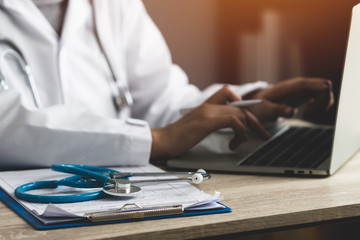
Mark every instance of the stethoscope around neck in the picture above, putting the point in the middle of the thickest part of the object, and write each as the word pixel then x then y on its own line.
pixel 120 91
pixel 14 52
pixel 112 183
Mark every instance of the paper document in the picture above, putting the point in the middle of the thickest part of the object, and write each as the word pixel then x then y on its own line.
pixel 152 194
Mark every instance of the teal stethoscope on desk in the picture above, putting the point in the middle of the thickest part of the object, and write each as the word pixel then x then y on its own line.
pixel 113 183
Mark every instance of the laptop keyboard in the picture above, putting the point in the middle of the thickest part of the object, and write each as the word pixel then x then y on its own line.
pixel 297 147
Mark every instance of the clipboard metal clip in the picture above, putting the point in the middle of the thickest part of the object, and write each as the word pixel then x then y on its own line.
pixel 134 211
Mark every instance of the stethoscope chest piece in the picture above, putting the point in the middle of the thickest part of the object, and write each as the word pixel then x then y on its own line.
pixel 122 187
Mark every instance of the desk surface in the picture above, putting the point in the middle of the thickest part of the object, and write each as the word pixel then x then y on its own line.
pixel 258 203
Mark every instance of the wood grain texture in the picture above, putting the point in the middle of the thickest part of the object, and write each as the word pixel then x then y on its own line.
pixel 258 202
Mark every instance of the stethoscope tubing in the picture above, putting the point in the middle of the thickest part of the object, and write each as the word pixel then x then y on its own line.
pixel 84 171
pixel 17 54
pixel 97 181
pixel 21 193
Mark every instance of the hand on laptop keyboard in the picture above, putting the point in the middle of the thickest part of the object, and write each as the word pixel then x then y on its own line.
pixel 282 99
pixel 198 123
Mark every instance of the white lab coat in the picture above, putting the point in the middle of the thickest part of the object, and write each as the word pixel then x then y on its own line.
pixel 78 122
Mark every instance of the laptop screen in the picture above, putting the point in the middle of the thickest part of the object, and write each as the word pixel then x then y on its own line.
pixel 347 130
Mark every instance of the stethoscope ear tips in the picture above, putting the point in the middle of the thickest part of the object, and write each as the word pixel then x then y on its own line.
pixel 197 178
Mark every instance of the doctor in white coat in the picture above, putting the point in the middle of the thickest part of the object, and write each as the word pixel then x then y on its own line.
pixel 83 55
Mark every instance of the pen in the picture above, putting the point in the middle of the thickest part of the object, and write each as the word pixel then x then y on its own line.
pixel 240 104
pixel 245 103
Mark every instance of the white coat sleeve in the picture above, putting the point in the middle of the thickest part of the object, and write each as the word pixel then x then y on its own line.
pixel 66 134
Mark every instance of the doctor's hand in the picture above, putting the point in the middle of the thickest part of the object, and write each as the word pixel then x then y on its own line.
pixel 283 99
pixel 212 115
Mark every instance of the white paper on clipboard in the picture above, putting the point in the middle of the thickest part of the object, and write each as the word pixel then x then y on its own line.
pixel 151 195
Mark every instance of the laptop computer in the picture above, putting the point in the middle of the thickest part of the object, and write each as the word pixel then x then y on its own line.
pixel 299 150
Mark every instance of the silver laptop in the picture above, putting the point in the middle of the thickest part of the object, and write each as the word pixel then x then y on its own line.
pixel 315 150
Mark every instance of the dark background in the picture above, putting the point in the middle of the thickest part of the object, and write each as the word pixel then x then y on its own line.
pixel 205 39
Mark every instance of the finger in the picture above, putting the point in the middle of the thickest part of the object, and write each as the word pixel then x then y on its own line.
pixel 280 110
pixel 283 90
pixel 270 111
pixel 255 125
pixel 223 96
pixel 298 90
pixel 240 134
pixel 316 85
pixel 323 101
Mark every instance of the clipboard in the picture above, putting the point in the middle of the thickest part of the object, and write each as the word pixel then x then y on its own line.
pixel 37 224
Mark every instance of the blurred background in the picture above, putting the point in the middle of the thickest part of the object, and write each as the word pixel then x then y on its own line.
pixel 235 41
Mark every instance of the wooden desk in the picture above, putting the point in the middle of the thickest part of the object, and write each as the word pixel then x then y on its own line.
pixel 258 203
